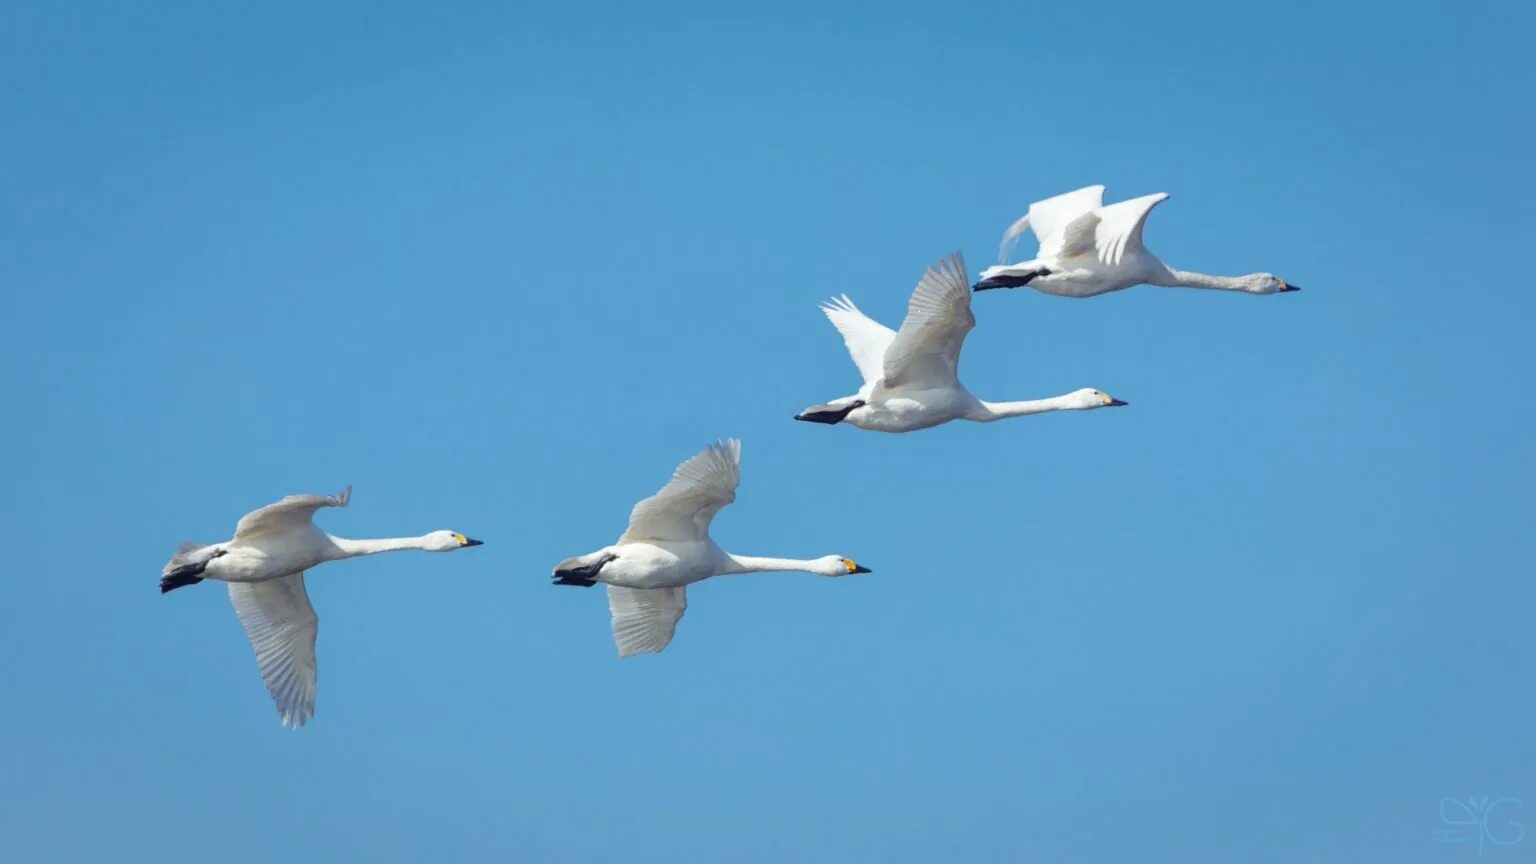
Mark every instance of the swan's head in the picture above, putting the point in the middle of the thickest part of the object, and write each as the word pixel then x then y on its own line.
pixel 447 541
pixel 1267 283
pixel 837 565
pixel 1087 398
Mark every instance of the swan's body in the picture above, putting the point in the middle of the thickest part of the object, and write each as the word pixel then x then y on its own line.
pixel 264 564
pixel 910 375
pixel 1087 249
pixel 667 547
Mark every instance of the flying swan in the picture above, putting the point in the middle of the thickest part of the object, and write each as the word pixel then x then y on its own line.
pixel 910 375
pixel 264 565
pixel 1087 249
pixel 667 547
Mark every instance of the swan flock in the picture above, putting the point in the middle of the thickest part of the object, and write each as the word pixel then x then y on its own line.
pixel 910 381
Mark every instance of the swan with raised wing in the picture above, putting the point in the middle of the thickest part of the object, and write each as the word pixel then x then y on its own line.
pixel 1087 249
pixel 911 376
pixel 264 564
pixel 667 548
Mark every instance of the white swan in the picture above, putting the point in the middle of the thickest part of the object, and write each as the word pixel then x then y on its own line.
pixel 1087 249
pixel 264 565
pixel 667 547
pixel 910 375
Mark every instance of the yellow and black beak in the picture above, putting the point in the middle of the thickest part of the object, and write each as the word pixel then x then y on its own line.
pixel 465 542
pixel 1286 286
pixel 1115 402
pixel 854 568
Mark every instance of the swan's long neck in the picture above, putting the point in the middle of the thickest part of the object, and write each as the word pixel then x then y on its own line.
pixel 751 564
pixel 990 411
pixel 1173 277
pixel 353 548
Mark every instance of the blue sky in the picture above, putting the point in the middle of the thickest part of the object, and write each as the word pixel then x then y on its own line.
pixel 502 267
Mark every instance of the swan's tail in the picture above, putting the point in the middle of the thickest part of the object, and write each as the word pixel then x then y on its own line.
pixel 831 413
pixel 186 566
pixel 1007 277
pixel 581 570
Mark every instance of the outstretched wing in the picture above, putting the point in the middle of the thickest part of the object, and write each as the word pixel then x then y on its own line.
pixel 1076 238
pixel 865 337
pixel 1011 239
pixel 1050 218
pixel 926 351
pixel 1120 225
pixel 289 514
pixel 644 619
pixel 281 626
pixel 682 510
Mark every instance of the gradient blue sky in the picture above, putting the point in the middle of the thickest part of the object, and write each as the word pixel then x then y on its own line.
pixel 503 267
